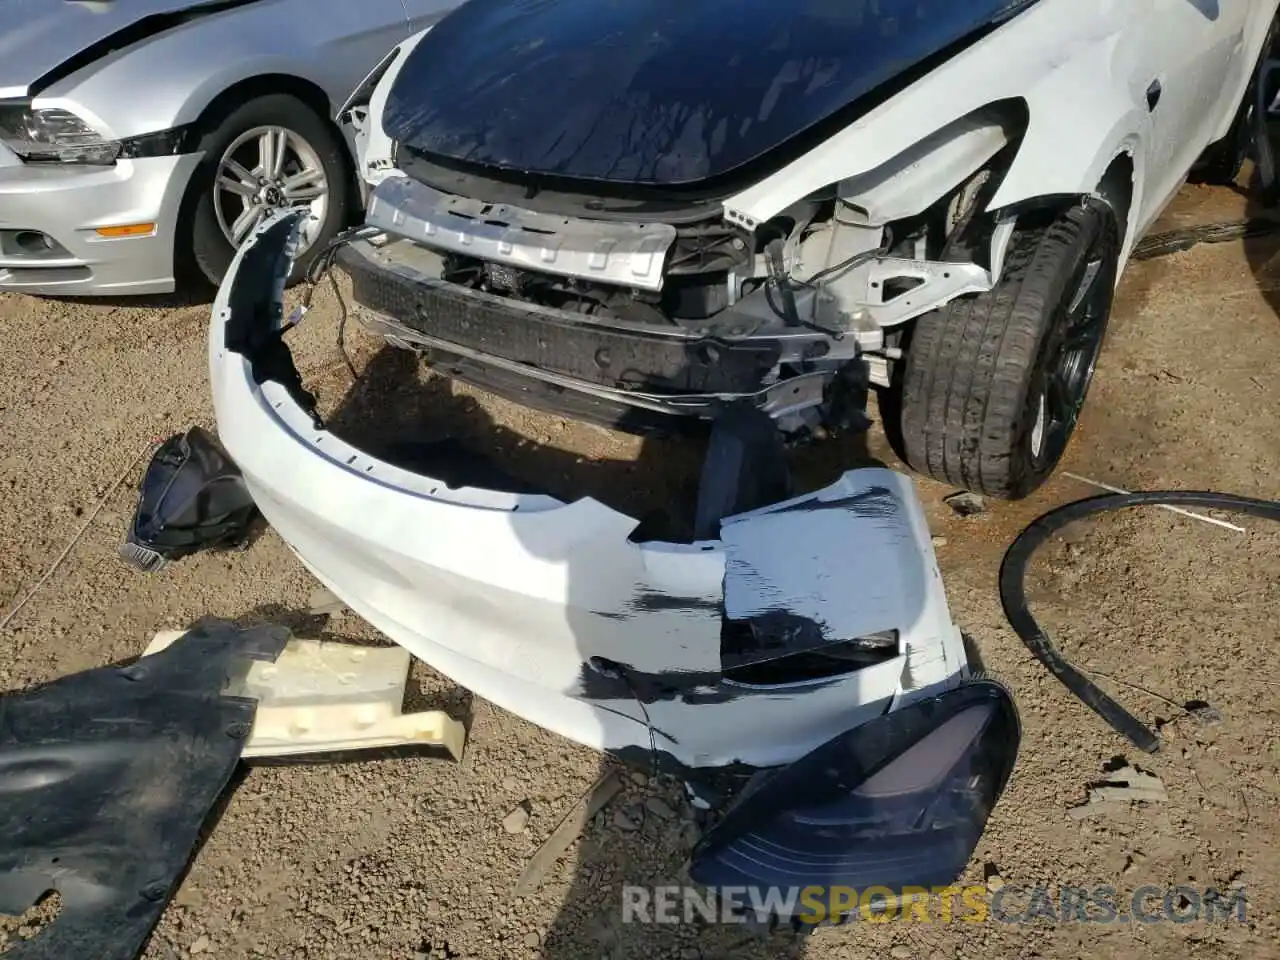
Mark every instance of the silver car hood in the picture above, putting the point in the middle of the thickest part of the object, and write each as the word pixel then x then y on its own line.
pixel 42 39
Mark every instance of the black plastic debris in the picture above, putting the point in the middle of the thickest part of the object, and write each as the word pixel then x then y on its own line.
pixel 192 497
pixel 106 779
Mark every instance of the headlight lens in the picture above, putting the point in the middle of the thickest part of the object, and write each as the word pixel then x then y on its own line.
pixel 898 802
pixel 53 135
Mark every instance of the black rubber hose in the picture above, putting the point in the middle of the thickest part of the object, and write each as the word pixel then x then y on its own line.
pixel 1013 593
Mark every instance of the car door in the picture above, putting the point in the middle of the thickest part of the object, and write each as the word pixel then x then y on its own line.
pixel 423 13
pixel 1188 61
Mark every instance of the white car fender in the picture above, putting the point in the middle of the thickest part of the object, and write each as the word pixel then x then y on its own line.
pixel 374 149
pixel 1046 58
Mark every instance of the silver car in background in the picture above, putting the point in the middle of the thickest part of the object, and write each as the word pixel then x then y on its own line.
pixel 142 140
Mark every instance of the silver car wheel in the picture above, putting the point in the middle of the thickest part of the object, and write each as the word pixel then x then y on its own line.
pixel 264 170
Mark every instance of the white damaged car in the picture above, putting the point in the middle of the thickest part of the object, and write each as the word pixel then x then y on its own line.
pixel 747 213
pixel 643 212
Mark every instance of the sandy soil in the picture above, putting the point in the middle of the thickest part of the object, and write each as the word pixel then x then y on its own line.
pixel 409 859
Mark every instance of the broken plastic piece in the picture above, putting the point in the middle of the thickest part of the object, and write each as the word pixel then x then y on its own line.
pixel 1122 787
pixel 325 700
pixel 108 776
pixel 554 847
pixel 192 497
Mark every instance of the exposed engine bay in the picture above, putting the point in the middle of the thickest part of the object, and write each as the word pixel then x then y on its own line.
pixel 686 308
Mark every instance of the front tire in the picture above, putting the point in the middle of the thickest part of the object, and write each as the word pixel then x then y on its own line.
pixel 993 384
pixel 268 154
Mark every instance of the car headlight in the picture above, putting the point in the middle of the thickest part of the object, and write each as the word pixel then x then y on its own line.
pixel 899 802
pixel 53 135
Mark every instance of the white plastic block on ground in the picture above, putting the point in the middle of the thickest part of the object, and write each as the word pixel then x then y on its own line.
pixel 322 697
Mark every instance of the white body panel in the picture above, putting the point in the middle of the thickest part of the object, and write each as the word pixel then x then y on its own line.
pixel 1083 68
pixel 513 595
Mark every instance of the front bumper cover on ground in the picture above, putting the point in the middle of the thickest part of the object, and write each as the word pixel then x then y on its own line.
pixel 552 611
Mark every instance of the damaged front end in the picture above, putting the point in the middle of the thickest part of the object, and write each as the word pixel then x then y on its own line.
pixel 638 313
pixel 782 625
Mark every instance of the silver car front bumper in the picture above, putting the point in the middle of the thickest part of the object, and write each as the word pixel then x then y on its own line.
pixel 50 215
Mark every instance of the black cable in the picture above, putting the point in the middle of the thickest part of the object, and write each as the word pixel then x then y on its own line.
pixel 857 260
pixel 342 327
pixel 320 268
pixel 1013 594
pixel 617 671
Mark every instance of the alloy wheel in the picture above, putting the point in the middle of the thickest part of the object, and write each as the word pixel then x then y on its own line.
pixel 262 171
pixel 1069 370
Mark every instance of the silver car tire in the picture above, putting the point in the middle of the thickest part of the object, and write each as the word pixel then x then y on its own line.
pixel 269 153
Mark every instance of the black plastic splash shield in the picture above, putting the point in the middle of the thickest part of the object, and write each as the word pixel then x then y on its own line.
pixel 106 779
pixel 898 802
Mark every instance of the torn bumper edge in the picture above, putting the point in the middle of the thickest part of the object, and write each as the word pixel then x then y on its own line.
pixel 514 596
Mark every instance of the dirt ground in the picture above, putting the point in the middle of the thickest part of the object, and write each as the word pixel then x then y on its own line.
pixel 405 859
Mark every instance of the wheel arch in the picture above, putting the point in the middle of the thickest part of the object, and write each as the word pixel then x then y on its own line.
pixel 261 85
pixel 1117 190
pixel 221 105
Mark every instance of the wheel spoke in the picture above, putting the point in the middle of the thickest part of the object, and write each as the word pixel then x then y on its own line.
pixel 271 153
pixel 237 186
pixel 1061 402
pixel 1081 337
pixel 305 185
pixel 238 171
pixel 1269 68
pixel 247 220
pixel 1091 272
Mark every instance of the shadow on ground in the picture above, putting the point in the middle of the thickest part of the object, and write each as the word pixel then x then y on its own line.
pixel 1262 250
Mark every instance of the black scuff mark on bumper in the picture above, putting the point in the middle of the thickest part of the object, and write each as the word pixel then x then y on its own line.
pixel 604 679
pixel 769 635
pixel 768 646
pixel 874 503
pixel 650 601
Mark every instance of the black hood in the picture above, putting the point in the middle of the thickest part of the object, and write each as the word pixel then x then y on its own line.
pixel 657 92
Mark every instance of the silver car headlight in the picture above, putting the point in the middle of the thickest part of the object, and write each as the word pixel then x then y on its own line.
pixel 53 135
